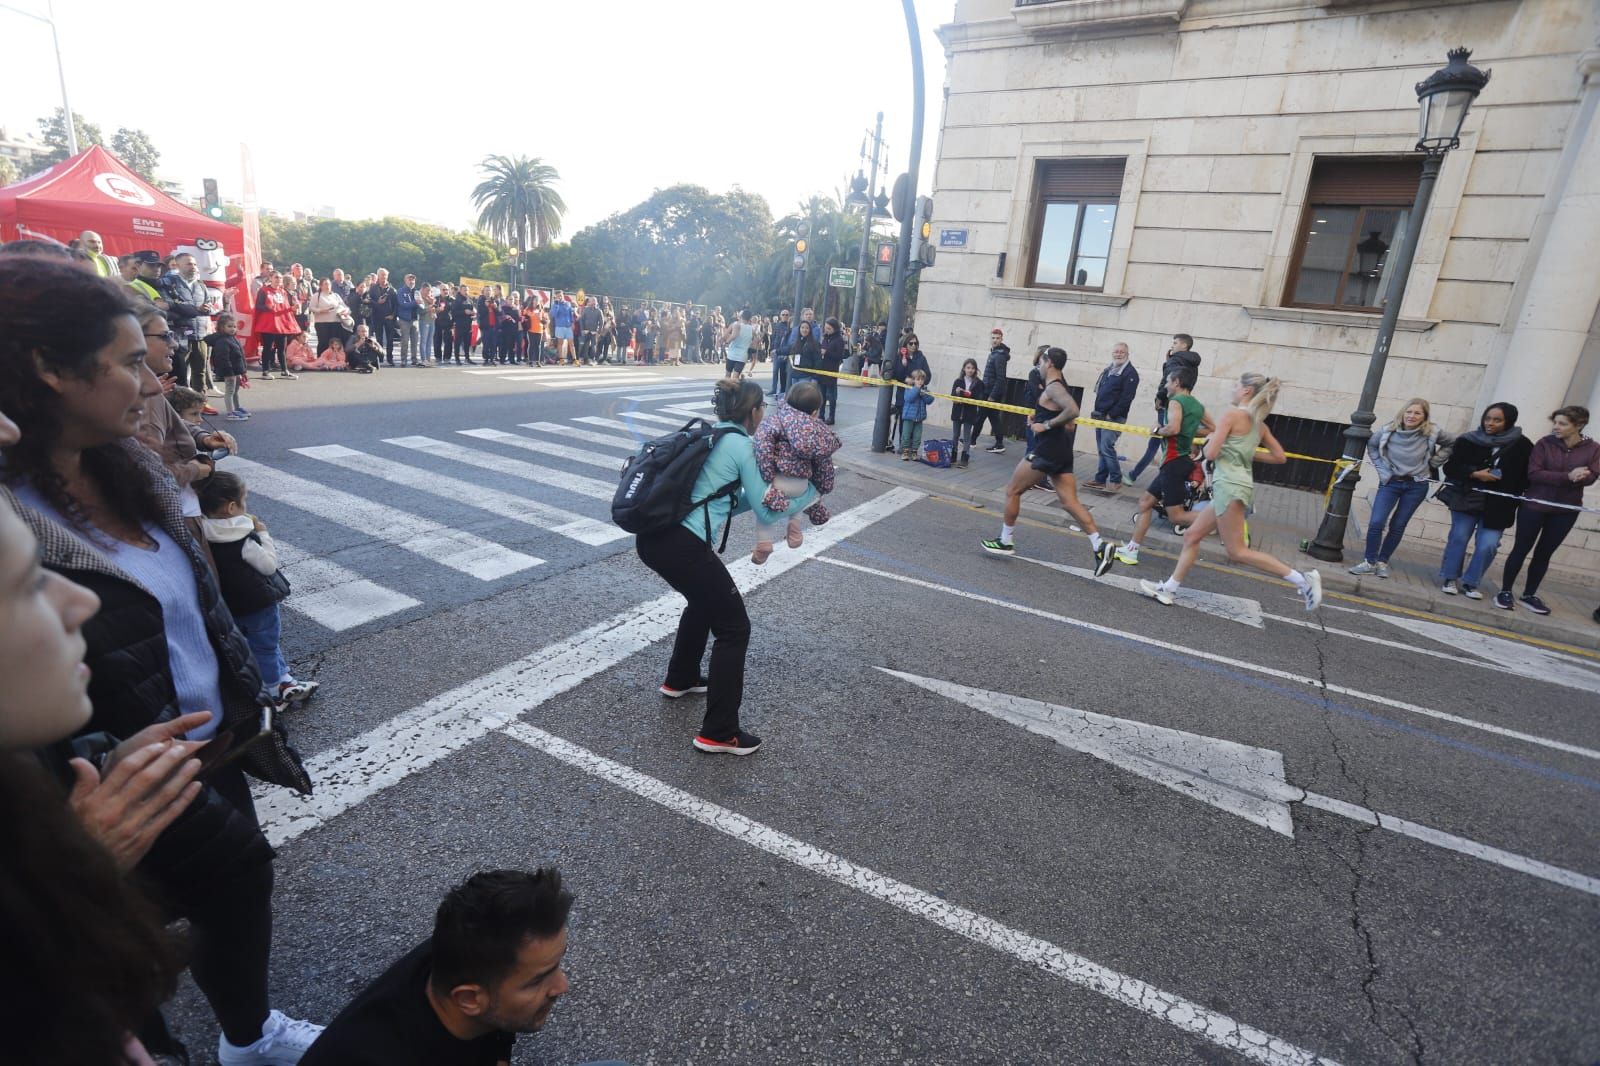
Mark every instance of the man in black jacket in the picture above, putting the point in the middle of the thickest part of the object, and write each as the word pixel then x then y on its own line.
pixel 385 314
pixel 1181 354
pixel 994 385
pixel 1113 399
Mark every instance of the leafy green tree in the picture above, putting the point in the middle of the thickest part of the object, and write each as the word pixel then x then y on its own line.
pixel 433 253
pixel 133 147
pixel 54 132
pixel 517 201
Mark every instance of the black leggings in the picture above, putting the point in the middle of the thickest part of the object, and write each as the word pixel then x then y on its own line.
pixel 274 343
pixel 715 608
pixel 1549 529
pixel 230 928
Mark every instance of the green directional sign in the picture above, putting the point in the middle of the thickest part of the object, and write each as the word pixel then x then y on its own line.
pixel 841 277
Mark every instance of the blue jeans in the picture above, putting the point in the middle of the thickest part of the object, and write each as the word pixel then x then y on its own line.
pixel 261 630
pixel 1392 506
pixel 830 397
pixel 425 344
pixel 780 374
pixel 1156 447
pixel 1109 472
pixel 1462 528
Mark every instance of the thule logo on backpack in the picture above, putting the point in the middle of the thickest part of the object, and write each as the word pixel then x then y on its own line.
pixel 633 486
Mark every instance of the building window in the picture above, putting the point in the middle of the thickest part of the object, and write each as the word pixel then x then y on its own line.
pixel 1356 209
pixel 1075 210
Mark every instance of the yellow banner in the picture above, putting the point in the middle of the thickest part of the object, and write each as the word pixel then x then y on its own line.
pixel 476 285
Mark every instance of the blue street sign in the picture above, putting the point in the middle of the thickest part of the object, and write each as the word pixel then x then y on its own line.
pixel 952 238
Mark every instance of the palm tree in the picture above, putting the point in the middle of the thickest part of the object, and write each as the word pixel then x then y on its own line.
pixel 517 201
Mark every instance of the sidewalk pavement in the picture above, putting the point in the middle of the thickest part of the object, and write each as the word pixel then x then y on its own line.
pixel 1283 518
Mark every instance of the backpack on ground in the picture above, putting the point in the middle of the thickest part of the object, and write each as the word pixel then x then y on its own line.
pixel 657 486
pixel 937 453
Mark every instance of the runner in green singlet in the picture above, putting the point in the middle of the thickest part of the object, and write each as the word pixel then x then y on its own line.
pixel 1186 420
pixel 1233 448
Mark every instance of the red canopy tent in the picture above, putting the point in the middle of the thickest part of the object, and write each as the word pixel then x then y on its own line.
pixel 94 190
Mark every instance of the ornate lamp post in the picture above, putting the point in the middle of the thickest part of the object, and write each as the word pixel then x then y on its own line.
pixel 1444 99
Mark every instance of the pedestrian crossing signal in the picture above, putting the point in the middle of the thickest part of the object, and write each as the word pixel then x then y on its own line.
pixel 883 268
pixel 212 201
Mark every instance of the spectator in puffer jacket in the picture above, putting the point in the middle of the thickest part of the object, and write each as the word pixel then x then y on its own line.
pixel 1113 399
pixel 994 385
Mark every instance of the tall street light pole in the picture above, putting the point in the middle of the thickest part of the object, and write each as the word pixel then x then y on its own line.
pixel 866 232
pixel 1444 99
pixel 61 72
pixel 902 259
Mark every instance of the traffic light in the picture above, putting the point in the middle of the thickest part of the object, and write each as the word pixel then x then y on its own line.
pixel 922 248
pixel 883 267
pixel 800 246
pixel 213 203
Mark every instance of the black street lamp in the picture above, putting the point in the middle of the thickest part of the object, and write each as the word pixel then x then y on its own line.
pixel 1369 261
pixel 1445 96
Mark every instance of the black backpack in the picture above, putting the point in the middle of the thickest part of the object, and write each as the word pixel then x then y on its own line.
pixel 658 483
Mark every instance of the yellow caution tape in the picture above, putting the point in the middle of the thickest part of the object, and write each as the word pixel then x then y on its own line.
pixel 1086 422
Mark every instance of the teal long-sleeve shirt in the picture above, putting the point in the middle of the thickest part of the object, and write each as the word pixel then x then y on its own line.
pixel 734 459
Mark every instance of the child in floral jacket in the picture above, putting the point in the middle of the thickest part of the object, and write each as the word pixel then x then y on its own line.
pixel 793 447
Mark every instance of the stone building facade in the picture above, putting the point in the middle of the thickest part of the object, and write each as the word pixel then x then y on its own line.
pixel 1238 169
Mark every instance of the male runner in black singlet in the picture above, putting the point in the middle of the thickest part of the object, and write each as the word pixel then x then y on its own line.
pixel 1054 415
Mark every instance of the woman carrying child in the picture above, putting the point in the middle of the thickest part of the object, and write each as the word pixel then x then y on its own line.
pixel 729 483
pixel 794 450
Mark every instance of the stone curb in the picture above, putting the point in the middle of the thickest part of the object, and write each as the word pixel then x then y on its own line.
pixel 1335 579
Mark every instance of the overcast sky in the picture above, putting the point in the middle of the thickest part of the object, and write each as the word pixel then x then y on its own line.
pixel 373 111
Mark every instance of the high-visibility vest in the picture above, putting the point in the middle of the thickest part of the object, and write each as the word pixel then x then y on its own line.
pixel 145 289
pixel 105 267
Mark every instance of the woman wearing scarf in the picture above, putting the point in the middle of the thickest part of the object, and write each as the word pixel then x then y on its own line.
pixel 1562 465
pixel 1494 456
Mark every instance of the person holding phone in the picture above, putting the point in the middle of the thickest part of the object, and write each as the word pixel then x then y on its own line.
pixel 107 516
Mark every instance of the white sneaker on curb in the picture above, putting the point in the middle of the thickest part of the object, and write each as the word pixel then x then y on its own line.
pixel 283 1041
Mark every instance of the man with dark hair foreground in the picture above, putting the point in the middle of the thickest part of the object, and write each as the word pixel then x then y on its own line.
pixel 491 970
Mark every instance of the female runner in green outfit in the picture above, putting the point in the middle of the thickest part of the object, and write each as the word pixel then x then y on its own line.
pixel 1232 447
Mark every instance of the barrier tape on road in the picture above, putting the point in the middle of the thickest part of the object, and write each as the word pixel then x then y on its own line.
pixel 1357 464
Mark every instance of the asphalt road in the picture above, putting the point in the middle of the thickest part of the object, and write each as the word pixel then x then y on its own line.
pixel 1005 813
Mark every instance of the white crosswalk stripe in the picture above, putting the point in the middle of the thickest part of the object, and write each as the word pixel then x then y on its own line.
pixel 574 382
pixel 504 504
pixel 645 432
pixel 558 451
pixel 692 386
pixel 544 475
pixel 332 596
pixel 431 540
pixel 610 440
pixel 601 378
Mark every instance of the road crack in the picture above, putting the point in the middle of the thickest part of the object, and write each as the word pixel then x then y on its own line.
pixel 1410 1041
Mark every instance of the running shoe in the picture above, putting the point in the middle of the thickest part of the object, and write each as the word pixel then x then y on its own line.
pixel 995 547
pixel 1471 592
pixel 236 416
pixel 1156 592
pixel 1180 530
pixel 207 409
pixel 1364 569
pixel 1105 557
pixel 1312 593
pixel 1450 588
pixel 741 743
pixel 996 449
pixel 678 693
pixel 1535 604
pixel 1128 555
pixel 1095 485
pixel 296 377
pixel 1383 571
pixel 1503 600
pixel 242 411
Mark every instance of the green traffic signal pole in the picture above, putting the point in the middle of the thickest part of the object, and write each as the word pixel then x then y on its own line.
pixel 902 265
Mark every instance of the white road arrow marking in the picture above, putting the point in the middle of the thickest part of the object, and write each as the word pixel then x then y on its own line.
pixel 1506 655
pixel 1237 778
pixel 1233 608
